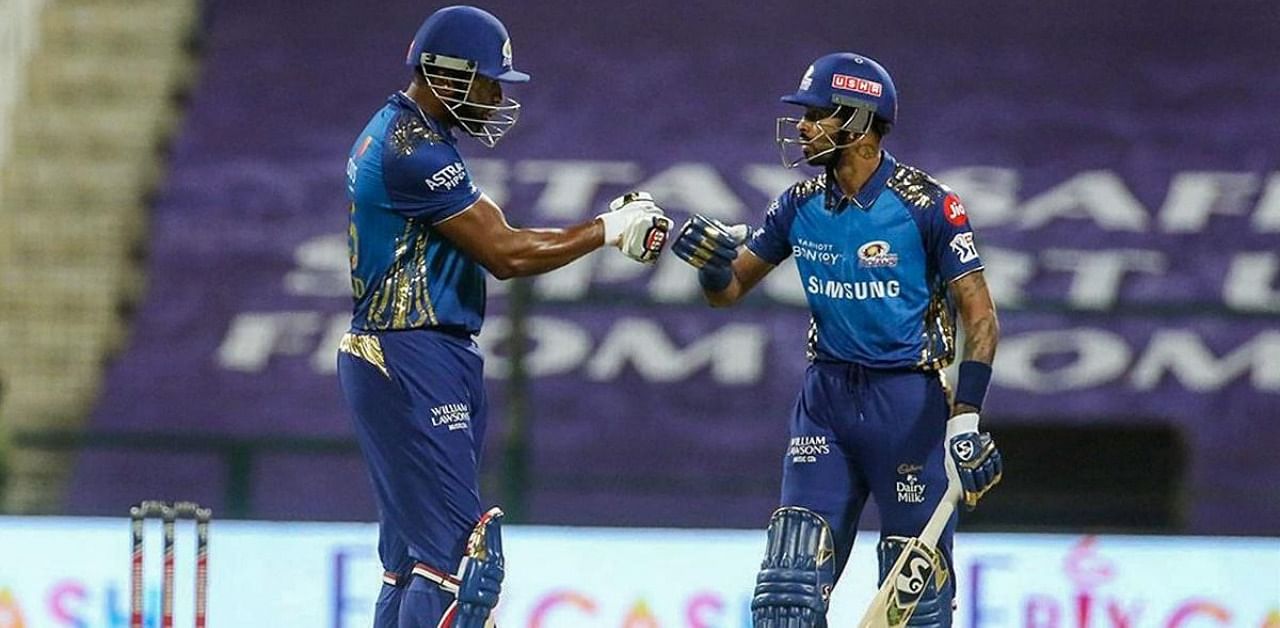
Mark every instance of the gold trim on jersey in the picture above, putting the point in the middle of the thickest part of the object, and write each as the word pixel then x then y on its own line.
pixel 811 341
pixel 813 185
pixel 365 347
pixel 404 290
pixel 913 185
pixel 939 330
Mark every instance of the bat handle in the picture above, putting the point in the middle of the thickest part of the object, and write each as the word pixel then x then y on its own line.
pixel 941 515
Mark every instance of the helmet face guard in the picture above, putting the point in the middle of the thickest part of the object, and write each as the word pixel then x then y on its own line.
pixel 450 80
pixel 787 134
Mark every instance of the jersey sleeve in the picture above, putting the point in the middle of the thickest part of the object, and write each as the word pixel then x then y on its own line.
pixel 430 183
pixel 948 238
pixel 772 241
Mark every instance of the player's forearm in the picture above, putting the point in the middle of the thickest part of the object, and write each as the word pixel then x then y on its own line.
pixel 740 283
pixel 724 298
pixel 534 251
pixel 982 334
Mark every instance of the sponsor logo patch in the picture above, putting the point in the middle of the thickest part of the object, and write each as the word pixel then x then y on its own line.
pixel 447 177
pixel 962 245
pixel 875 254
pixel 909 488
pixel 853 290
pixel 454 416
pixel 820 252
pixel 806 449
pixel 857 84
pixel 953 210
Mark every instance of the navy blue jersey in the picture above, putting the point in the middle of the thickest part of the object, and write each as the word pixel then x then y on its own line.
pixel 875 268
pixel 404 176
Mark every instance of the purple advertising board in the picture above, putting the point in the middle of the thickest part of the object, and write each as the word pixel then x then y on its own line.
pixel 1120 165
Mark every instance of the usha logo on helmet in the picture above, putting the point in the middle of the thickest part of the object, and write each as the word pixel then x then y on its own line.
pixel 853 89
pixel 857 84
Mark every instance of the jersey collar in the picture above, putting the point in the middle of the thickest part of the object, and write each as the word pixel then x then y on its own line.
pixel 402 100
pixel 869 192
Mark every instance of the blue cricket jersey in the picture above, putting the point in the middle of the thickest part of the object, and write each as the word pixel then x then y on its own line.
pixel 875 269
pixel 404 176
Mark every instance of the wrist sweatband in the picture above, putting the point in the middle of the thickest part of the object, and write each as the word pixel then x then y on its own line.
pixel 614 223
pixel 972 383
pixel 715 278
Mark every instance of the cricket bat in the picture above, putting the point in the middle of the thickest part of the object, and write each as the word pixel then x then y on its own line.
pixel 897 598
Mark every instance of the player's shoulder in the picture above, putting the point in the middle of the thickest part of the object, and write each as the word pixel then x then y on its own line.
pixel 409 137
pixel 802 191
pixel 917 188
pixel 929 199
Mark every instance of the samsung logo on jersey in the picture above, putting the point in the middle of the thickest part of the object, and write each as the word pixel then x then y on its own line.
pixel 854 290
pixel 447 177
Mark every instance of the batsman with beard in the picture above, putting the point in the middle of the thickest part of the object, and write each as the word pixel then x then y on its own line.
pixel 887 259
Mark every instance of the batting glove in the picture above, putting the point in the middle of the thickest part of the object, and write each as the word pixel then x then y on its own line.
pixel 973 457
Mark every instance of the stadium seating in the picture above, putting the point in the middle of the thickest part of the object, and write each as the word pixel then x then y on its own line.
pixel 83 159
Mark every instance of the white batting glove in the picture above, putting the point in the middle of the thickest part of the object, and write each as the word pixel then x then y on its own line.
pixel 637 226
pixel 622 211
pixel 643 239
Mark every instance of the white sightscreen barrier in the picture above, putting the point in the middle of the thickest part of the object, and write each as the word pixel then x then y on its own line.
pixel 74 573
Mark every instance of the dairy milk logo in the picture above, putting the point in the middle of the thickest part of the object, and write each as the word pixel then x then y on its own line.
pixel 447 177
pixel 455 416
pixel 820 252
pixel 875 254
pixel 806 449
pixel 909 487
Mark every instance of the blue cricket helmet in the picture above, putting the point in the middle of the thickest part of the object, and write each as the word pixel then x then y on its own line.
pixel 847 79
pixel 469 34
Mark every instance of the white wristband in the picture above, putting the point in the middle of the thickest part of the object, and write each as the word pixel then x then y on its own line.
pixel 614 224
pixel 962 423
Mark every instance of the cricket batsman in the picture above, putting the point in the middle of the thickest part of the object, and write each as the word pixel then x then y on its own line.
pixel 421 237
pixel 887 258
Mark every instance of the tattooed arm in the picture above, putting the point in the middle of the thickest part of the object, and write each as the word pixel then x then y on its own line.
pixel 978 316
